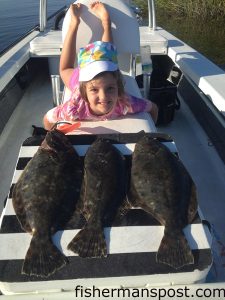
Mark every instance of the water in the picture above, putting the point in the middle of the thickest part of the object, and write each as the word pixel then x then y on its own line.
pixel 18 17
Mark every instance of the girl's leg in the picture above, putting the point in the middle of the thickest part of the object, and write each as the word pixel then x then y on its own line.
pixel 67 57
pixel 100 10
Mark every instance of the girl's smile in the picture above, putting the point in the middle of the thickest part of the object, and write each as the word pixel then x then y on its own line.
pixel 102 94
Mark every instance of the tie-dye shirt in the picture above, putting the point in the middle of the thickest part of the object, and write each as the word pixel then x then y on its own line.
pixel 78 109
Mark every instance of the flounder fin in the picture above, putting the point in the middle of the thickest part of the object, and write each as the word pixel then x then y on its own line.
pixel 76 221
pixel 123 208
pixel 175 251
pixel 42 259
pixel 89 242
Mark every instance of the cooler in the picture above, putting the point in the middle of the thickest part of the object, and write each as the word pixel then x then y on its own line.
pixel 132 243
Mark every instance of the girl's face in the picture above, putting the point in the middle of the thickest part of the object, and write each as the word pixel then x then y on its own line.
pixel 102 94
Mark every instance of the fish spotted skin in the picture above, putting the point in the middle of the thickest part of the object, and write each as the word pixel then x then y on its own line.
pixel 44 199
pixel 161 186
pixel 103 190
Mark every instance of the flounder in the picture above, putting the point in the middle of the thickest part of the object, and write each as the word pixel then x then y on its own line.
pixel 103 190
pixel 161 185
pixel 44 199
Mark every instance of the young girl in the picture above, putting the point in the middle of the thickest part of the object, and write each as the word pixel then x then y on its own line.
pixel 96 85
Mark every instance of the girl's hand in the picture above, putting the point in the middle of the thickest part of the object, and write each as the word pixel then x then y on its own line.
pixel 75 12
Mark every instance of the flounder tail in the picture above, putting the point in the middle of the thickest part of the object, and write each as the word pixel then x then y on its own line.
pixel 89 242
pixel 174 250
pixel 42 258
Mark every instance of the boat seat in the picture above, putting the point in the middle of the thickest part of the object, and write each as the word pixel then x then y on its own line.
pixel 158 44
pixel 123 21
pixel 90 30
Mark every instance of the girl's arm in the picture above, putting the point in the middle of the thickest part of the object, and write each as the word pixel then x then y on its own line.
pixel 152 108
pixel 140 105
pixel 64 112
pixel 67 58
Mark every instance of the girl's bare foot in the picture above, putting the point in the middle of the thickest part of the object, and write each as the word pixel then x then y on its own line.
pixel 75 10
pixel 100 10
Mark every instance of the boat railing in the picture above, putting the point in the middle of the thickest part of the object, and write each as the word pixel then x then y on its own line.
pixel 151 14
pixel 56 90
pixel 43 15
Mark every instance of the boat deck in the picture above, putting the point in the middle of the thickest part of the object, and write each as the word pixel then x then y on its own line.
pixel 38 99
pixel 194 147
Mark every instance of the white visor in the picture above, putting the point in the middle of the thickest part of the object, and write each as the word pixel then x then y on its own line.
pixel 94 68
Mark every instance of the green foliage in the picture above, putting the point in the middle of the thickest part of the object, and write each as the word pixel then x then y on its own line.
pixel 200 8
pixel 143 5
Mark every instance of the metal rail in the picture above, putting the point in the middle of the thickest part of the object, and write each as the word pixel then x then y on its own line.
pixel 151 14
pixel 43 14
pixel 56 91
